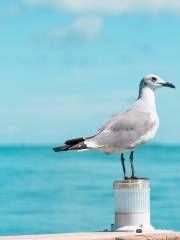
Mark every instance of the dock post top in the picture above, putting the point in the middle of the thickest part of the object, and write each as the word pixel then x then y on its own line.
pixel 135 183
pixel 132 205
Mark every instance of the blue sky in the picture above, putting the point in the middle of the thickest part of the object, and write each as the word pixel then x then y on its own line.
pixel 66 66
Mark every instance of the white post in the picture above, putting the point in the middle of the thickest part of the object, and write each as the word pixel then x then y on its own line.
pixel 132 205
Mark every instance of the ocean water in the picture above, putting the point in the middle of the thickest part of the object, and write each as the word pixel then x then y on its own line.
pixel 45 192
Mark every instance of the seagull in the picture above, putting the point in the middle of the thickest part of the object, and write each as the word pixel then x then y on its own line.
pixel 124 132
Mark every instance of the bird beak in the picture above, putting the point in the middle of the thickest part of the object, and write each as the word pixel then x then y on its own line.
pixel 167 84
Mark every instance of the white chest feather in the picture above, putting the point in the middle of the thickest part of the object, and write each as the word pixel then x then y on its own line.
pixel 148 97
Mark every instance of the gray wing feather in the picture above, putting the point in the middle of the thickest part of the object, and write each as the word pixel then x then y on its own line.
pixel 123 130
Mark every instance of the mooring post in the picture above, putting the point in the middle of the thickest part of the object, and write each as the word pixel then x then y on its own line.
pixel 132 205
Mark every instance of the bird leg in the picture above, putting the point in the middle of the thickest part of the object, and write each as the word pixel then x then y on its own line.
pixel 123 165
pixel 132 166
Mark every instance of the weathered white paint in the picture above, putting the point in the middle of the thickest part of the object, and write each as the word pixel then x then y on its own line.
pixel 132 204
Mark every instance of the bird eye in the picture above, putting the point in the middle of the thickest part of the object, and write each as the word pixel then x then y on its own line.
pixel 154 79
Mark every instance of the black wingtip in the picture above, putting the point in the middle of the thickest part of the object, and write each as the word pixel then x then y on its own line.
pixel 60 149
pixel 74 141
pixel 55 149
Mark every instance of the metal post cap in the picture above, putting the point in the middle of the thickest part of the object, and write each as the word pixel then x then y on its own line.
pixel 135 183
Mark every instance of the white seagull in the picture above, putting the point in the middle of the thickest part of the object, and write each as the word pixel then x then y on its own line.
pixel 124 132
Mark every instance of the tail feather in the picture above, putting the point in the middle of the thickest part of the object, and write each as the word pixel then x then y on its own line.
pixel 72 144
pixel 79 146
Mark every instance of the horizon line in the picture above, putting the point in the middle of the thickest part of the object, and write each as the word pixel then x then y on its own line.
pixel 55 144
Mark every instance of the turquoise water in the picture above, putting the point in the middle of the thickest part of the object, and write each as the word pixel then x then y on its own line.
pixel 45 192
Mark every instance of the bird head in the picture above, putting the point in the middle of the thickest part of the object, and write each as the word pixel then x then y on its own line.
pixel 154 82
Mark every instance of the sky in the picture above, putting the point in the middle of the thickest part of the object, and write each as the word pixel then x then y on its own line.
pixel 67 65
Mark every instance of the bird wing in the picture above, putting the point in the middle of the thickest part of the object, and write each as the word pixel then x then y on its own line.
pixel 124 130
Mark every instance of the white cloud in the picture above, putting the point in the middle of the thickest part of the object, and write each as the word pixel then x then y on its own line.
pixel 83 28
pixel 10 10
pixel 109 6
pixel 88 26
pixel 13 9
pixel 71 104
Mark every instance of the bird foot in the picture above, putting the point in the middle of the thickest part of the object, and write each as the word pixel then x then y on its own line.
pixel 134 177
pixel 126 178
pixel 138 178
